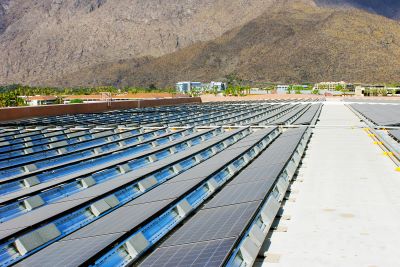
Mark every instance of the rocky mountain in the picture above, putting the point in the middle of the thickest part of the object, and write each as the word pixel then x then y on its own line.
pixel 50 38
pixel 294 43
pixel 143 42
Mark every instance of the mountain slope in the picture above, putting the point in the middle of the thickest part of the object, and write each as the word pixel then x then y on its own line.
pixel 296 43
pixel 40 39
pixel 387 8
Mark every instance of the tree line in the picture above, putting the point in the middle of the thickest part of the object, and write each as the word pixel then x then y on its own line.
pixel 10 95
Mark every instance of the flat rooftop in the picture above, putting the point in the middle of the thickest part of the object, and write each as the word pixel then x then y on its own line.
pixel 290 182
pixel 346 201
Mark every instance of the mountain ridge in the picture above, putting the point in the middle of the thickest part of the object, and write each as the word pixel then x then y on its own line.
pixel 296 44
pixel 123 42
pixel 50 38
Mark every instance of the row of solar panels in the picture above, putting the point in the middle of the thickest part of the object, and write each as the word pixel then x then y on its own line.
pixel 41 136
pixel 180 115
pixel 108 145
pixel 17 139
pixel 49 165
pixel 111 202
pixel 380 114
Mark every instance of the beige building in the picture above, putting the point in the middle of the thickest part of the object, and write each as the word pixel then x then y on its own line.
pixel 105 97
pixel 40 100
pixel 331 86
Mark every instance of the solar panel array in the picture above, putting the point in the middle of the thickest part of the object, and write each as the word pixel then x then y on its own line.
pixel 384 116
pixel 380 114
pixel 175 185
pixel 228 214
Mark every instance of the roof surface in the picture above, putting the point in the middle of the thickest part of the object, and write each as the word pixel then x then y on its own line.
pixel 191 185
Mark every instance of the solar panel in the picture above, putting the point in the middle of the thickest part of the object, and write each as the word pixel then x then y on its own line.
pixel 307 117
pixel 209 253
pixel 168 190
pixel 62 253
pixel 214 223
pixel 384 115
pixel 240 193
pixel 121 220
pixel 290 116
pixel 266 172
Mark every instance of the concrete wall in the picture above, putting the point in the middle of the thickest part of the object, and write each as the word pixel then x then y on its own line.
pixel 16 113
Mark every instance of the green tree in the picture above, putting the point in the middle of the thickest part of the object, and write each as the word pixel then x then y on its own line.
pixel 339 87
pixel 76 101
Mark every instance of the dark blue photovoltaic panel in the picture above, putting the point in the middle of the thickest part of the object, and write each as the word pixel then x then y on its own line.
pixel 215 223
pixel 241 193
pixel 307 117
pixel 383 115
pixel 209 253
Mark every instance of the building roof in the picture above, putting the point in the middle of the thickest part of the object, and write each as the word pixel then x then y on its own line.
pixel 40 97
pixel 123 96
pixel 106 194
pixel 83 97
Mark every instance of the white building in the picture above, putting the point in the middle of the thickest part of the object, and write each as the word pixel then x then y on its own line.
pixel 330 86
pixel 282 88
pixel 40 100
pixel 219 86
pixel 187 87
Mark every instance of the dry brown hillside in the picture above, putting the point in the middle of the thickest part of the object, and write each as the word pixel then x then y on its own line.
pixel 42 39
pixel 297 43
